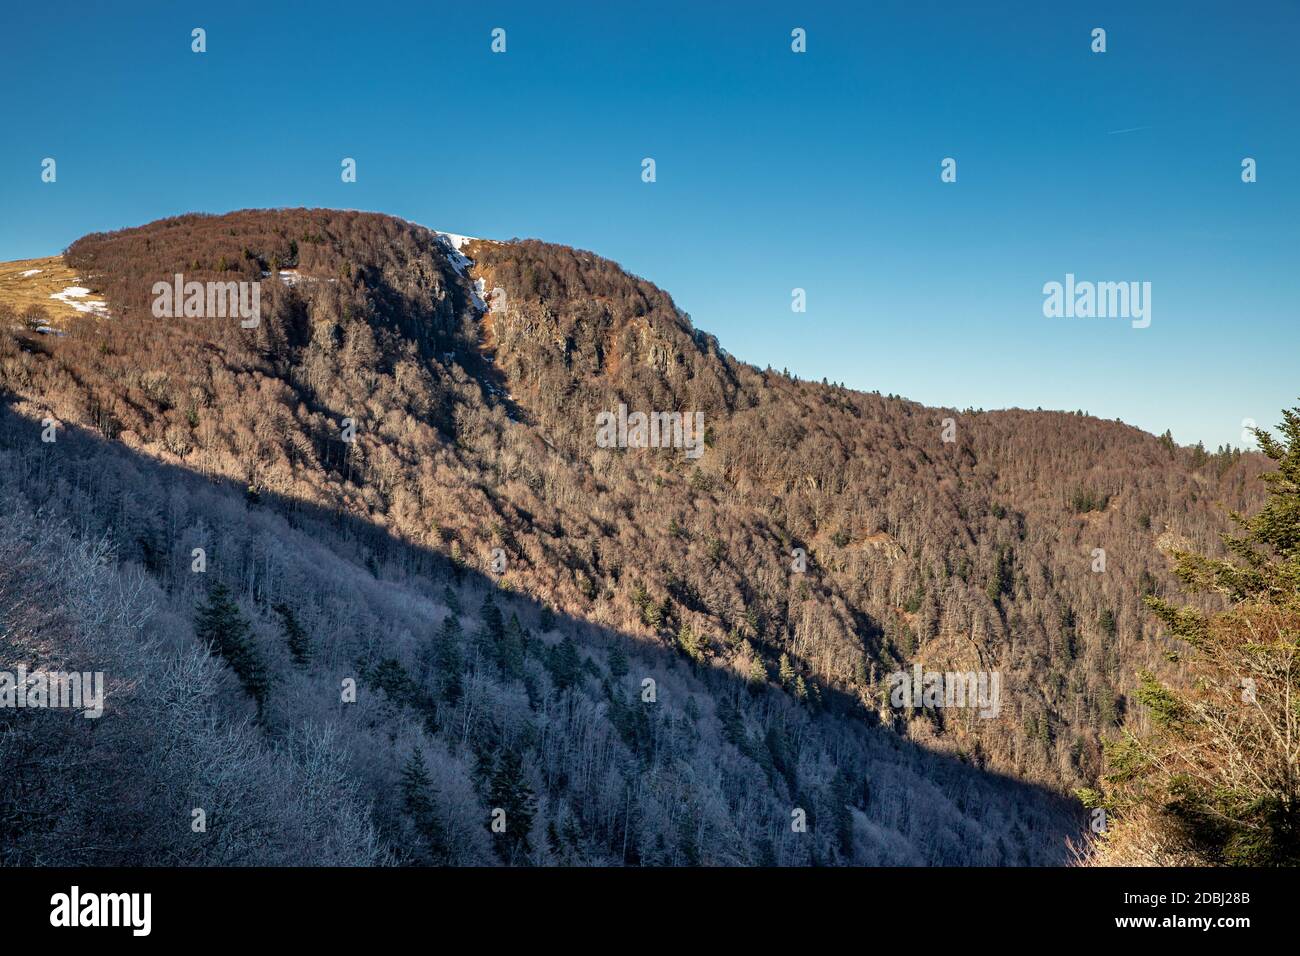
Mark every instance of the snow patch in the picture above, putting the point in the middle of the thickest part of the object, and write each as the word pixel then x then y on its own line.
pixel 293 277
pixel 451 244
pixel 93 306
pixel 477 293
pixel 30 272
pixel 458 241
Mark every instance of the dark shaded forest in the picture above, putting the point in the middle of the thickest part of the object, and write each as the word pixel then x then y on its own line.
pixel 469 699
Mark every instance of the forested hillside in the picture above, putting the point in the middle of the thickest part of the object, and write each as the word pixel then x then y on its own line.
pixel 393 483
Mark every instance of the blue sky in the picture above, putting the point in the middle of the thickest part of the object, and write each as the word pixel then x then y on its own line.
pixel 775 170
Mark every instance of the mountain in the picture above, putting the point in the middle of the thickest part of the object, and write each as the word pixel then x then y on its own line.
pixel 400 471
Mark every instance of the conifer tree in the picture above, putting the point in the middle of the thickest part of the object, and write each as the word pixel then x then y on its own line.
pixel 510 792
pixel 391 677
pixel 786 670
pixel 695 645
pixel 417 801
pixel 618 662
pixel 493 626
pixel 219 624
pixel 449 660
pixel 510 653
pixel 553 842
pixel 297 639
pixel 1107 623
pixel 1217 779
pixel 564 664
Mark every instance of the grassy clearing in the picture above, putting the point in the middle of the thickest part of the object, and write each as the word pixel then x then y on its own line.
pixel 21 292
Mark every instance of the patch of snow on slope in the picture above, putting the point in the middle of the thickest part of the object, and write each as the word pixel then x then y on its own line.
pixel 452 243
pixel 95 306
pixel 458 241
pixel 30 272
pixel 292 277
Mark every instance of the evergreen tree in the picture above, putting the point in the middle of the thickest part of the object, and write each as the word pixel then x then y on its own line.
pixel 564 664
pixel 510 792
pixel 786 670
pixel 695 645
pixel 297 639
pixel 778 748
pixel 1069 632
pixel 1215 780
pixel 219 624
pixel 553 842
pixel 510 652
pixel 1107 623
pixel 391 677
pixel 618 662
pixel 1000 581
pixel 417 801
pixel 449 660
pixel 494 627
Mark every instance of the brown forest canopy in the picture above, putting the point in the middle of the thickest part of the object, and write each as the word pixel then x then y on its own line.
pixel 476 431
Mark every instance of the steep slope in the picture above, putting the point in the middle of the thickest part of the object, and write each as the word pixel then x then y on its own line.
pixel 475 430
pixel 980 552
pixel 507 706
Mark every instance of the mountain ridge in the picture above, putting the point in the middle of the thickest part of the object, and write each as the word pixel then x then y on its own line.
pixel 475 420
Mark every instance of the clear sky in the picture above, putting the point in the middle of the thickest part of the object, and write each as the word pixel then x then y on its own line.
pixel 775 170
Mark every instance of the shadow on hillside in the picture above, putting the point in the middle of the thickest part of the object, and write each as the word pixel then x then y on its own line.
pixel 80 456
